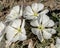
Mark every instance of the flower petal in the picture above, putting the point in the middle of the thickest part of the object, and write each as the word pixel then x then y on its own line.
pixel 1 37
pixel 57 45
pixel 36 7
pixel 16 37
pixel 2 26
pixel 50 23
pixel 23 31
pixel 23 23
pixel 14 13
pixel 40 7
pixel 45 19
pixel 40 36
pixel 46 35
pixel 15 23
pixel 28 10
pixel 22 37
pixel 10 33
pixel 58 40
pixel 34 23
pixel 35 31
pixel 52 31
pixel 44 11
pixel 38 33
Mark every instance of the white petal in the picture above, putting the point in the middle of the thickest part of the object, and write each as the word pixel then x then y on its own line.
pixel 39 19
pixel 37 7
pixel 22 37
pixel 45 19
pixel 50 23
pixel 23 23
pixel 1 27
pixel 15 23
pixel 34 23
pixel 40 7
pixel 57 45
pixel 34 7
pixel 58 40
pixel 1 37
pixel 40 36
pixel 10 33
pixel 44 11
pixel 46 35
pixel 52 31
pixel 14 13
pixel 23 31
pixel 35 31
pixel 28 14
pixel 15 8
pixel 28 10
pixel 16 37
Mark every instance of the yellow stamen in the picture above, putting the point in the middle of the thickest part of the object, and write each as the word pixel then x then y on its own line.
pixel 18 30
pixel 35 14
pixel 41 27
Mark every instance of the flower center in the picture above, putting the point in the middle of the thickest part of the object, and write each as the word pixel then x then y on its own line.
pixel 18 30
pixel 35 14
pixel 41 27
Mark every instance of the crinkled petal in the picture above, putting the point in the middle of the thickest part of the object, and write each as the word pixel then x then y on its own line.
pixel 58 40
pixel 44 12
pixel 57 45
pixel 16 37
pixel 45 19
pixel 46 35
pixel 34 23
pixel 10 33
pixel 23 31
pixel 40 36
pixel 50 23
pixel 50 30
pixel 39 19
pixel 22 37
pixel 38 33
pixel 28 10
pixel 15 8
pixel 35 31
pixel 40 7
pixel 15 23
pixel 23 23
pixel 2 26
pixel 1 37
pixel 36 7
pixel 14 13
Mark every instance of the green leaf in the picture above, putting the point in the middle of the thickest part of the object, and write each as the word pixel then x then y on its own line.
pixel 58 29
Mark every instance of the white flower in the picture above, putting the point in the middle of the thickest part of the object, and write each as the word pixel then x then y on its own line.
pixel 57 43
pixel 15 12
pixel 15 31
pixel 2 26
pixel 43 27
pixel 33 11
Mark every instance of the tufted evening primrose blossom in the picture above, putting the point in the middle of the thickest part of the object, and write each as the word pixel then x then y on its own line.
pixel 15 31
pixel 2 26
pixel 43 28
pixel 33 11
pixel 57 43
pixel 15 12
